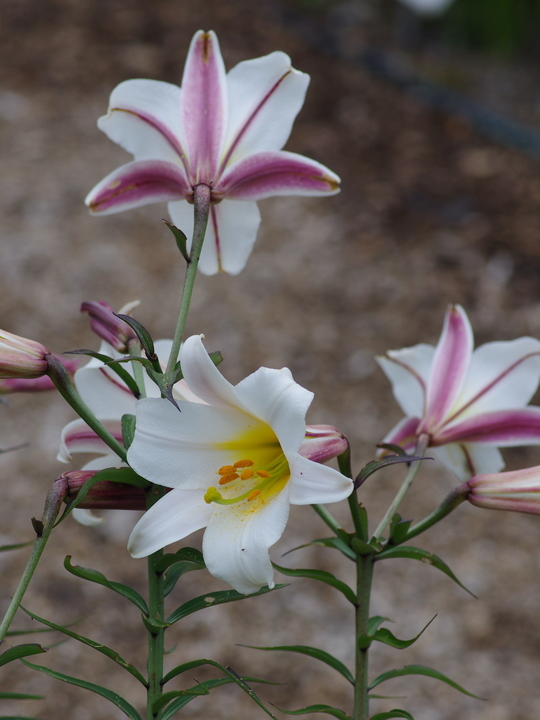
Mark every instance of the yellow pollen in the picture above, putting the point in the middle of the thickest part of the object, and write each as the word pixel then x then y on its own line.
pixel 247 474
pixel 252 495
pixel 228 478
pixel 243 463
pixel 263 473
pixel 226 469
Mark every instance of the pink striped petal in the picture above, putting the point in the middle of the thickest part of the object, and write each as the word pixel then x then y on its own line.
pixel 204 106
pixel 518 491
pixel 404 434
pixel 265 96
pixel 138 183
pixel 78 437
pixel 267 174
pixel 450 366
pixel 505 428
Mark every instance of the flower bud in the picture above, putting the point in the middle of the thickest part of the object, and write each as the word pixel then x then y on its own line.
pixel 39 384
pixel 104 495
pixel 322 443
pixel 107 326
pixel 20 357
pixel 518 490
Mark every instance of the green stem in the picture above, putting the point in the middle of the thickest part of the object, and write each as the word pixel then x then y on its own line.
pixel 60 377
pixel 134 349
pixel 156 617
pixel 421 446
pixel 201 201
pixel 448 505
pixel 364 575
pixel 53 503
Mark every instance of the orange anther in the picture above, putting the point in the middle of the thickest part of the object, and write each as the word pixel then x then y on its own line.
pixel 226 469
pixel 247 474
pixel 252 495
pixel 228 478
pixel 263 473
pixel 243 463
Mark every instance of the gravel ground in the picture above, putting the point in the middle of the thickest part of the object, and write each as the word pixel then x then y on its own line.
pixel 430 213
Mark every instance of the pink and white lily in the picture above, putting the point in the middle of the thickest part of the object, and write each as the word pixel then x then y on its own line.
pixel 235 465
pixel 221 130
pixel 518 491
pixel 467 402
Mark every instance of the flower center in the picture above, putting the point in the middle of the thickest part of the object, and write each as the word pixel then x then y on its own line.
pixel 247 481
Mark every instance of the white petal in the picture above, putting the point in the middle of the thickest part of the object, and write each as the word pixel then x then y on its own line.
pixel 176 515
pixel 314 483
pixel 468 460
pixel 265 96
pixel 236 542
pixel 187 448
pixel 86 517
pixel 230 234
pixel 144 118
pixel 408 371
pixel 77 437
pixel 203 377
pixel 103 391
pixel 274 397
pixel 493 363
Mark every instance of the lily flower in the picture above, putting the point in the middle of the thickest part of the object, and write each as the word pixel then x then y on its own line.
pixel 518 490
pixel 235 466
pixel 467 403
pixel 224 131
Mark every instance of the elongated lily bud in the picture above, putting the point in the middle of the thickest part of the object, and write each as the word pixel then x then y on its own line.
pixel 104 495
pixel 40 384
pixel 322 443
pixel 20 357
pixel 107 325
pixel 518 490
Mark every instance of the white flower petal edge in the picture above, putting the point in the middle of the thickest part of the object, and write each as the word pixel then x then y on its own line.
pixel 234 464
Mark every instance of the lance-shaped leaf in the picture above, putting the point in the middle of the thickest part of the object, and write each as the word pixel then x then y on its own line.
pixel 20 651
pixel 392 714
pixel 375 465
pixel 144 337
pixel 18 696
pixel 110 695
pixel 321 655
pixel 398 529
pixel 97 577
pixel 414 553
pixel 103 649
pixel 384 635
pixel 324 709
pixel 321 576
pixel 16 546
pixel 177 564
pixel 331 542
pixel 181 240
pixel 114 365
pixel 128 429
pixel 419 670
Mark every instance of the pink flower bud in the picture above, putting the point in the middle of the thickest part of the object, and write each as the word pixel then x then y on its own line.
pixel 107 326
pixel 518 490
pixel 322 443
pixel 104 495
pixel 20 357
pixel 40 384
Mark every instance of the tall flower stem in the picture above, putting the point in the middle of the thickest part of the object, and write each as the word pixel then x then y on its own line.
pixel 201 202
pixel 155 621
pixel 364 575
pixel 421 446
pixel 53 503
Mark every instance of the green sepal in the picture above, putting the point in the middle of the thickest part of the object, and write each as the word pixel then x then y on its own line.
pixel 326 709
pixel 20 651
pixel 145 339
pixel 414 553
pixel 16 546
pixel 384 635
pixel 212 599
pixel 375 465
pixel 180 238
pixel 398 529
pixel 128 429
pixel 115 366
pixel 100 579
pixel 331 542
pixel 321 655
pixel 392 714
pixel 321 576
pixel 110 695
pixel 103 649
pixel 419 670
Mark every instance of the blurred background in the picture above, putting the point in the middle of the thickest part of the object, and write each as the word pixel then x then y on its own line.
pixel 430 113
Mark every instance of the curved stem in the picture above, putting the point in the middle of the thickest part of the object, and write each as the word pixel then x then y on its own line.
pixel 201 200
pixel 448 505
pixel 421 446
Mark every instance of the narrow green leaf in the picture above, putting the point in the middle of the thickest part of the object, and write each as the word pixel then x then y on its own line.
pixel 399 529
pixel 388 638
pixel 314 653
pixel 332 542
pixel 418 670
pixel 20 651
pixel 185 560
pixel 110 695
pixel 16 546
pixel 18 696
pixel 375 465
pixel 180 239
pixel 212 599
pixel 100 579
pixel 392 714
pixel 144 336
pixel 322 576
pixel 326 709
pixel 414 553
pixel 103 649
pixel 128 429
pixel 375 622
pixel 115 367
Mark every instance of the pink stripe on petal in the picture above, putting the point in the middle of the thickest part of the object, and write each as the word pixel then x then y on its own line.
pixel 450 364
pixel 136 184
pixel 276 173
pixel 505 428
pixel 204 106
pixel 403 434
